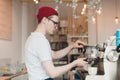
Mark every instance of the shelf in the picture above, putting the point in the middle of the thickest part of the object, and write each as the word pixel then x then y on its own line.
pixel 77 36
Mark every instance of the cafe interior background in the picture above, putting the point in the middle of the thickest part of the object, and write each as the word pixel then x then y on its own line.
pixel 92 21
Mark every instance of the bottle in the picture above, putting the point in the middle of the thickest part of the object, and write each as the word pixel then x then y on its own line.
pixel 118 37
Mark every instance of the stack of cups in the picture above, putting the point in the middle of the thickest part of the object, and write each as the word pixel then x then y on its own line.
pixel 118 37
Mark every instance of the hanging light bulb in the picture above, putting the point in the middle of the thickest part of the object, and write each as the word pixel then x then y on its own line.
pixel 84 9
pixel 56 8
pixel 93 20
pixel 36 1
pixel 99 11
pixel 116 20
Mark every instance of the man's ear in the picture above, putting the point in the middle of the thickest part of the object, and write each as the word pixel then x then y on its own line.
pixel 44 19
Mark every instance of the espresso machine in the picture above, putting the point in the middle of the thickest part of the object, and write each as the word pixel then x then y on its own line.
pixel 105 58
pixel 93 58
pixel 110 63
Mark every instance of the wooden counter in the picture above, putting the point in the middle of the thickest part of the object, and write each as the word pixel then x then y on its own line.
pixel 12 76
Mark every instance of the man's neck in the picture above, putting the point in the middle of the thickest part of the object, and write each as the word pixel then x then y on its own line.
pixel 40 28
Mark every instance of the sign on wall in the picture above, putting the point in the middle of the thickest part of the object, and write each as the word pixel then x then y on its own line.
pixel 6 19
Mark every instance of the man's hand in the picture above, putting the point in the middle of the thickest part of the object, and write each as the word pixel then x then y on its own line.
pixel 78 44
pixel 80 62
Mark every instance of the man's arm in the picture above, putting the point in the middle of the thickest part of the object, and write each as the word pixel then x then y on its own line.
pixel 65 51
pixel 53 71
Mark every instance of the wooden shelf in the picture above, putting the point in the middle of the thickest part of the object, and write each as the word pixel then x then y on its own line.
pixel 77 36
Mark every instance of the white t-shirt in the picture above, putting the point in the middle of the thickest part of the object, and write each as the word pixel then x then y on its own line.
pixel 37 50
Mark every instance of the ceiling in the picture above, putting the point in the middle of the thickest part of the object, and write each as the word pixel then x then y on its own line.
pixel 52 0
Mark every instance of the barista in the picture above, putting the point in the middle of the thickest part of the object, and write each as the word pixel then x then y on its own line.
pixel 38 54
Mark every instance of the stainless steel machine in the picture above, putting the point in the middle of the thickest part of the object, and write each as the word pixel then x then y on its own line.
pixel 111 64
pixel 106 58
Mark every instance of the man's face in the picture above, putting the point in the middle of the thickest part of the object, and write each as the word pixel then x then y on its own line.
pixel 53 23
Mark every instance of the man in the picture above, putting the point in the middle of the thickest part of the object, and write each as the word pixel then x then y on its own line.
pixel 38 54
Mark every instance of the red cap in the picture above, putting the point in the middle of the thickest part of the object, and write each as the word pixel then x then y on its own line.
pixel 45 12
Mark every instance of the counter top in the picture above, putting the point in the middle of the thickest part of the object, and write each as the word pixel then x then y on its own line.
pixel 95 77
pixel 13 75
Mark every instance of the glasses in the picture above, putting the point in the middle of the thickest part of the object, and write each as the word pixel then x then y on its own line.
pixel 56 23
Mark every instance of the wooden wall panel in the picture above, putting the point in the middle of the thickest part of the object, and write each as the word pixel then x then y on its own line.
pixel 6 19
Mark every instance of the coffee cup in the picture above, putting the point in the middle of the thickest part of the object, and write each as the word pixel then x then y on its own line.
pixel 92 70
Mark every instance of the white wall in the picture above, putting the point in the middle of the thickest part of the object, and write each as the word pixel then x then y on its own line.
pixel 23 22
pixel 12 49
pixel 105 25
pixel 28 22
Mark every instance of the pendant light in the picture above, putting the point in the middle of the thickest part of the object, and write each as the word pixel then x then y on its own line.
pixel 116 18
pixel 36 1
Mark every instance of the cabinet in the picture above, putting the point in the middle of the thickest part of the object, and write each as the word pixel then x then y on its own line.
pixel 58 41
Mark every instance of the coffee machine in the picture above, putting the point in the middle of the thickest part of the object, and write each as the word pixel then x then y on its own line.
pixel 105 58
pixel 110 63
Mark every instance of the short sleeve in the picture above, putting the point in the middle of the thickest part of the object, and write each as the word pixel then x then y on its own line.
pixel 43 50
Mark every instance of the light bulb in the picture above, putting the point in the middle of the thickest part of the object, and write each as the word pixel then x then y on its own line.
pixel 56 8
pixel 116 20
pixel 36 2
pixel 99 11
pixel 85 6
pixel 82 13
pixel 93 20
